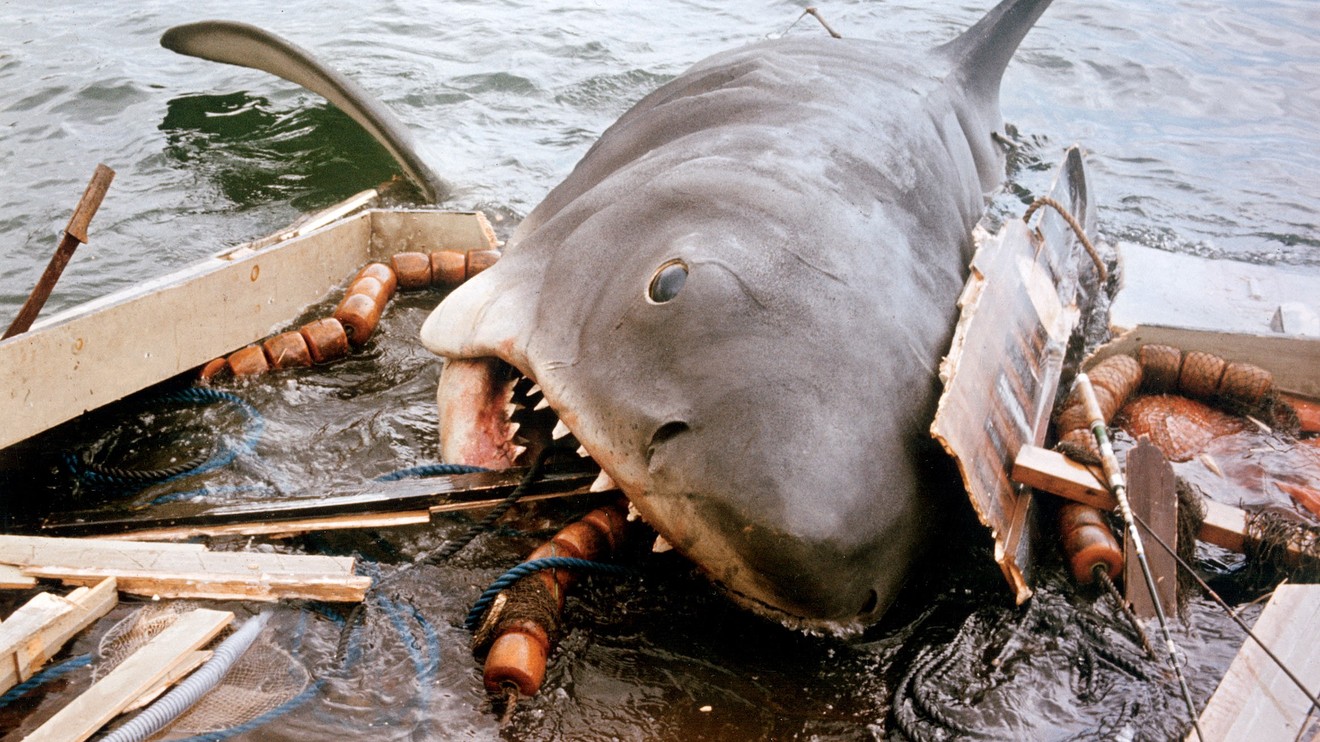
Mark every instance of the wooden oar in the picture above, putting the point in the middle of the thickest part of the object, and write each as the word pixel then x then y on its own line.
pixel 74 234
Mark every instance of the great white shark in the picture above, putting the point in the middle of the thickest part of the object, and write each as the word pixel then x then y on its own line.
pixel 738 300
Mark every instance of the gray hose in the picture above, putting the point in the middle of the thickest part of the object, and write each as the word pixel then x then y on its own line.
pixel 189 691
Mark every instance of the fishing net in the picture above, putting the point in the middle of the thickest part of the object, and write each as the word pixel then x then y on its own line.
pixel 263 679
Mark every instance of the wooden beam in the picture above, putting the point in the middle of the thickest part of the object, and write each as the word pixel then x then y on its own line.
pixel 177 673
pixel 38 629
pixel 184 571
pixel 1051 471
pixel 134 676
pixel 1153 496
pixel 279 528
pixel 1255 700
pixel 12 578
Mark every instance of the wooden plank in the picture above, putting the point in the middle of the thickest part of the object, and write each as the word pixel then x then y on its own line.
pixel 281 528
pixel 181 671
pixel 257 585
pixel 174 572
pixel 1153 497
pixel 93 354
pixel 41 627
pixel 11 578
pixel 1002 371
pixel 1052 472
pixel 50 551
pixel 1255 700
pixel 134 676
pixel 463 490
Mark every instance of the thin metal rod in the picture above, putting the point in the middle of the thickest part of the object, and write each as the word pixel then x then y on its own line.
pixel 1116 485
pixel 1310 696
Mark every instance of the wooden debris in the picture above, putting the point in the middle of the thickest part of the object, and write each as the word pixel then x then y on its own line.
pixel 138 674
pixel 1153 495
pixel 176 673
pixel 1256 700
pixel 38 629
pixel 279 528
pixel 1002 372
pixel 186 570
pixel 12 578
pixel 1051 471
pixel 335 509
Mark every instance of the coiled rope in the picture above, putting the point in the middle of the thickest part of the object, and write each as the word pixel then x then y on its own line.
pixel 222 455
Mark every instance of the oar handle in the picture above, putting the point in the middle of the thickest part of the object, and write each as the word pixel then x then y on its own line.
pixel 74 234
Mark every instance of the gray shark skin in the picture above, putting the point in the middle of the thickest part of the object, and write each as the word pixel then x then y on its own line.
pixel 769 417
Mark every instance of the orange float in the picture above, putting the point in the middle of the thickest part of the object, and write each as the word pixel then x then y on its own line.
pixel 326 339
pixel 480 260
pixel 214 368
pixel 249 361
pixel 382 273
pixel 448 268
pixel 287 350
pixel 1088 543
pixel 413 270
pixel 517 657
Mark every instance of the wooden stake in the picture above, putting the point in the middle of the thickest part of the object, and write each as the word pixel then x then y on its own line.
pixel 75 233
pixel 1153 492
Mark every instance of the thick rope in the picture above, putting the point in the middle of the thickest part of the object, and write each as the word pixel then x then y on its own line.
pixel 222 455
pixel 528 568
pixel 1076 228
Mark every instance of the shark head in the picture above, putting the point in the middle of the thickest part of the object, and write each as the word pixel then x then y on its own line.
pixel 737 304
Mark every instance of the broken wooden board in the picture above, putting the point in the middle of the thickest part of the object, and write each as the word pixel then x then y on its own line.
pixel 1153 496
pixel 1052 472
pixel 186 571
pixel 435 494
pixel 180 671
pixel 1255 700
pixel 279 528
pixel 40 628
pixel 135 676
pixel 1019 308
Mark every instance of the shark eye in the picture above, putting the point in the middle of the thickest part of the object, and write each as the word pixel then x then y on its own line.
pixel 667 282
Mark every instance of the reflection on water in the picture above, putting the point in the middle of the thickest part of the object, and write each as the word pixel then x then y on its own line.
pixel 1197 117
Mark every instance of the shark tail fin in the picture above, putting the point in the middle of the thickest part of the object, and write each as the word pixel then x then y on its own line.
pixel 981 54
pixel 248 46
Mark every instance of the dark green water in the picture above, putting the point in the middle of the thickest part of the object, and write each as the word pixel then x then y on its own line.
pixel 1198 118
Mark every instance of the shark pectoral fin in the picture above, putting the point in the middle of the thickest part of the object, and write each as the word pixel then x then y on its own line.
pixel 245 45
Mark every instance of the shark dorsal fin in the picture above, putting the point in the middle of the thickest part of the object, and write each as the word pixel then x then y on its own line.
pixel 981 54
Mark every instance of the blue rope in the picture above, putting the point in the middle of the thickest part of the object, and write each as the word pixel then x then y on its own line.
pixel 253 427
pixel 506 580
pixel 45 676
pixel 430 470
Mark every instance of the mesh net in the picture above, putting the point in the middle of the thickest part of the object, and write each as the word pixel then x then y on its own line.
pixel 264 678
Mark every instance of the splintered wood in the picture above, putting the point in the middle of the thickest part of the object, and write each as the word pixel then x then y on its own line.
pixel 145 669
pixel 1001 375
pixel 185 570
pixel 38 629
pixel 1256 700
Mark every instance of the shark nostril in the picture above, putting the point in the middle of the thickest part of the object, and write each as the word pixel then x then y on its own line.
pixel 664 433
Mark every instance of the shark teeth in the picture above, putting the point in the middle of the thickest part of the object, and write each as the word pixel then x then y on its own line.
pixel 561 430
pixel 603 483
pixel 544 404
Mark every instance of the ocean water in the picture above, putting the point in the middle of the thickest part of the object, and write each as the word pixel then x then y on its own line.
pixel 1198 122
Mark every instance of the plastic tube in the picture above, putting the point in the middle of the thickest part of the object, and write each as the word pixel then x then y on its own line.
pixel 188 692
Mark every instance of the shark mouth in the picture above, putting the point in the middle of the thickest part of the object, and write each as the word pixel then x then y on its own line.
pixel 494 416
